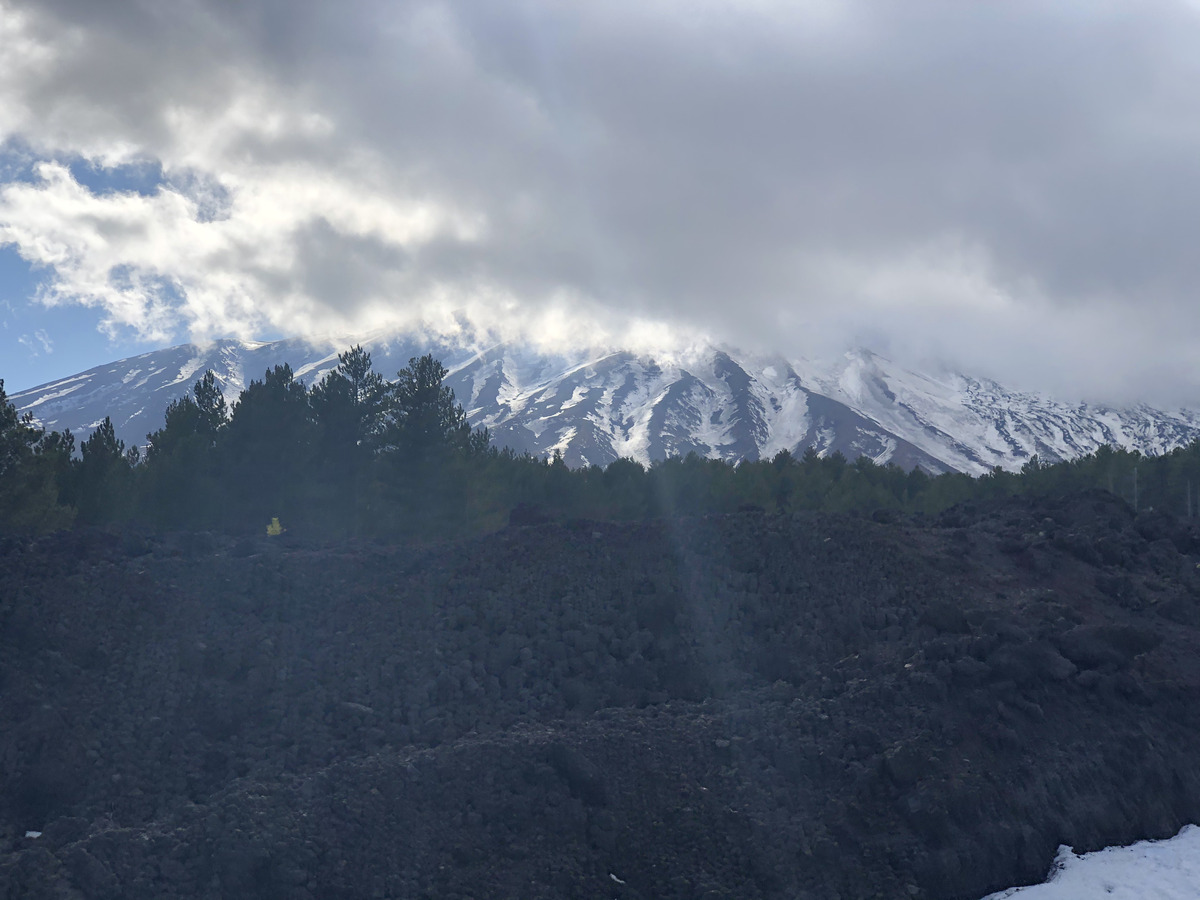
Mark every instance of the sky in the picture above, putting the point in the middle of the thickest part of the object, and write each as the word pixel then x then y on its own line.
pixel 1005 187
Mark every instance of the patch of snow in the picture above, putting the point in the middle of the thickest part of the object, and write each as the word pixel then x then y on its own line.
pixel 709 401
pixel 480 376
pixel 1163 870
pixel 575 399
pixel 82 376
pixel 636 441
pixel 318 368
pixel 565 436
pixel 510 393
pixel 189 369
pixel 235 379
pixel 46 398
pixel 889 449
pixel 824 439
pixel 785 405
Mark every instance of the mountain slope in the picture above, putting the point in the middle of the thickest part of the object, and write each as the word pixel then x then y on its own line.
pixel 716 402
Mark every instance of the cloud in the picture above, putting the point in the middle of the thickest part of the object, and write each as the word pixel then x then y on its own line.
pixel 37 343
pixel 1012 186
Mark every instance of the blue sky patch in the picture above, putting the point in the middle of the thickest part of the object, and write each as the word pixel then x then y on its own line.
pixel 142 177
pixel 39 343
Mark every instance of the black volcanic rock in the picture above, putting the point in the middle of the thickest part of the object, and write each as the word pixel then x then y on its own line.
pixel 1097 646
pixel 745 706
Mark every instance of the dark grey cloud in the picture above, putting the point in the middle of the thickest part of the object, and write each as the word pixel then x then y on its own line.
pixel 338 269
pixel 1014 186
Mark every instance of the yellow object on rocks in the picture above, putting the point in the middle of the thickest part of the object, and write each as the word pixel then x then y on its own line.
pixel 274 529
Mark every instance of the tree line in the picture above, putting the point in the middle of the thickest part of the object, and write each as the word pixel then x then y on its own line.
pixel 358 455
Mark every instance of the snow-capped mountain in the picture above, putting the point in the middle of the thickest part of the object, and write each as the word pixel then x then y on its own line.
pixel 718 402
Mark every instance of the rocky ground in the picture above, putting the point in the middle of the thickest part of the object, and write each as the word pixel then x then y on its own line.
pixel 730 707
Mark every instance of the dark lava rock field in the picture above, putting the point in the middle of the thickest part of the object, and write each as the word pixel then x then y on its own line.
pixel 735 707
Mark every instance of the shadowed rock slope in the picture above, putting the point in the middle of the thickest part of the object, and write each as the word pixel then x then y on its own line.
pixel 735 707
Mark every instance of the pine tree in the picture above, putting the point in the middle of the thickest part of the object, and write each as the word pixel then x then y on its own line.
pixel 424 419
pixel 30 468
pixel 180 484
pixel 265 451
pixel 101 477
pixel 350 407
pixel 18 435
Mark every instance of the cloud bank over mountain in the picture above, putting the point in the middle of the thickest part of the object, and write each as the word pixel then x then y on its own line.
pixel 1009 185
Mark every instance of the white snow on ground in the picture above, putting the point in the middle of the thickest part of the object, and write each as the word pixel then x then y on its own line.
pixel 318 368
pixel 54 395
pixel 785 407
pixel 1148 870
pixel 715 416
pixel 630 423
pixel 577 396
pixel 189 369
pixel 565 436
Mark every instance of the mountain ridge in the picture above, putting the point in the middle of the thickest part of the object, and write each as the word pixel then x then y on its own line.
pixel 713 400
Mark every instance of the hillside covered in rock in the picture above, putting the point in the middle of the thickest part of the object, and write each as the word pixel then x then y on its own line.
pixel 737 706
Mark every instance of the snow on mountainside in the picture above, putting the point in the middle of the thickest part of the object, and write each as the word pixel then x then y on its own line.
pixel 975 424
pixel 717 402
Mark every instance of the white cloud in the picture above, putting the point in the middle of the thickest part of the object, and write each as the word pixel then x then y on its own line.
pixel 994 182
pixel 37 343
